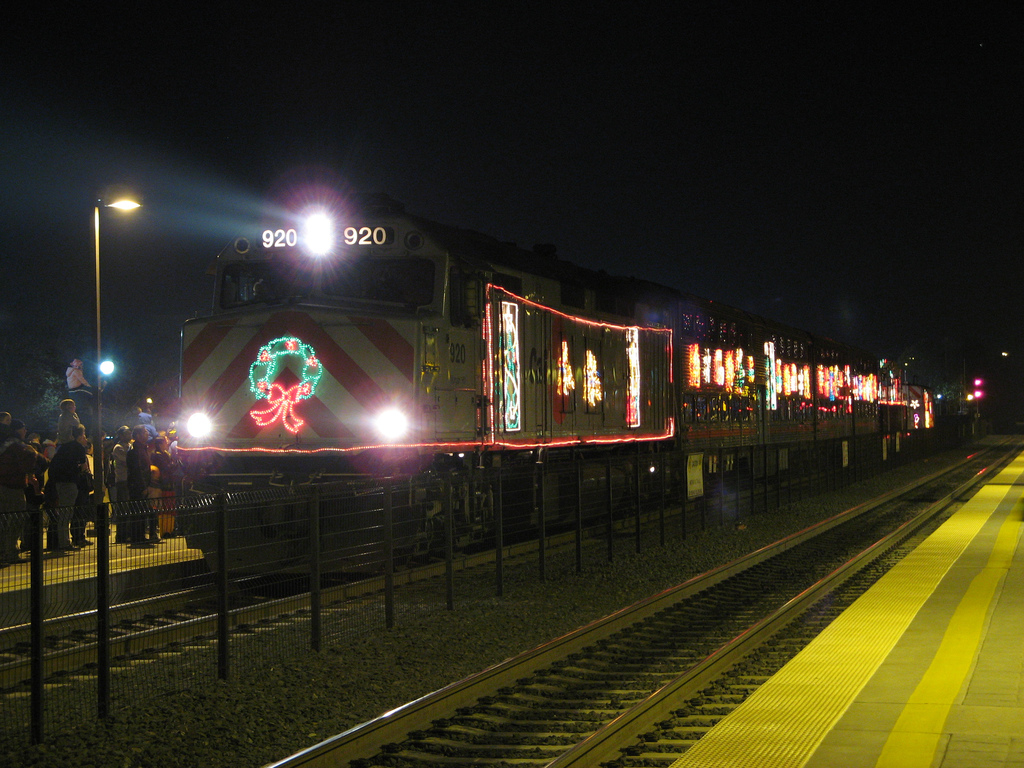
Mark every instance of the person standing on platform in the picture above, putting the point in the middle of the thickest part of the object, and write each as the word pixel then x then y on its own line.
pixel 67 421
pixel 79 390
pixel 145 419
pixel 70 461
pixel 138 486
pixel 34 497
pixel 84 505
pixel 163 498
pixel 16 463
pixel 119 464
pixel 119 489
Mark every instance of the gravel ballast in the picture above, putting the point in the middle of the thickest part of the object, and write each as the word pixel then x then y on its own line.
pixel 302 700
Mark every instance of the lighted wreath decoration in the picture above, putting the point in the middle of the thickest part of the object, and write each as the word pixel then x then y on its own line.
pixel 283 401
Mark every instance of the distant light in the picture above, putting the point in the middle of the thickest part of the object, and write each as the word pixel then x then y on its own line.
pixel 319 234
pixel 978 382
pixel 106 367
pixel 124 205
pixel 978 394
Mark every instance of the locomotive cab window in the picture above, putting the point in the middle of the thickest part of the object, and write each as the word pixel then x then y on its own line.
pixel 253 283
pixel 398 281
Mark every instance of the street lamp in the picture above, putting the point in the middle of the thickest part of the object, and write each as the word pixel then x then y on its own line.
pixel 123 204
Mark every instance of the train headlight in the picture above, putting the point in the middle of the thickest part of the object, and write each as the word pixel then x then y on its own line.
pixel 199 425
pixel 319 234
pixel 392 424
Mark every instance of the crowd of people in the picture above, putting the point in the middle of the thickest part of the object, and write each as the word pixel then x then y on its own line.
pixel 57 476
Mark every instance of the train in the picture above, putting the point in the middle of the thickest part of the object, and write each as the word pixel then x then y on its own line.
pixel 366 340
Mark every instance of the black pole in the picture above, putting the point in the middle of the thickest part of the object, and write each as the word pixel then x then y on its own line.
pixel 36 619
pixel 389 564
pixel 499 539
pixel 103 608
pixel 449 546
pixel 579 514
pixel 661 492
pixel 315 624
pixel 611 515
pixel 637 476
pixel 538 505
pixel 223 655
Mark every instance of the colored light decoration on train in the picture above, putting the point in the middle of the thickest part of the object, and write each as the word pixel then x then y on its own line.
pixel 693 354
pixel 593 392
pixel 512 375
pixel 770 380
pixel 566 380
pixel 562 372
pixel 282 402
pixel 633 381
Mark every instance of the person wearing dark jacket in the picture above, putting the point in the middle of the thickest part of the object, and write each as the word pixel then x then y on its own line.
pixel 17 459
pixel 69 462
pixel 34 497
pixel 138 486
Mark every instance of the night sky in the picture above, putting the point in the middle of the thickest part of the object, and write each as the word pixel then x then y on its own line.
pixel 857 173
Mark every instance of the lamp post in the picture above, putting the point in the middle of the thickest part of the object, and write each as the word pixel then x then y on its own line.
pixel 123 204
pixel 102 511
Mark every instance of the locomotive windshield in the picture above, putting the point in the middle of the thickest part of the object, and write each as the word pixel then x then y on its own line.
pixel 252 283
pixel 400 281
pixel 395 281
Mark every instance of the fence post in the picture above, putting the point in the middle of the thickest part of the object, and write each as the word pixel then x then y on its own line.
pixel 223 652
pixel 736 480
pixel 721 487
pixel 315 625
pixel 449 545
pixel 579 514
pixel 103 608
pixel 538 506
pixel 637 476
pixel 36 619
pixel 661 489
pixel 389 563
pixel 499 537
pixel 684 488
pixel 611 515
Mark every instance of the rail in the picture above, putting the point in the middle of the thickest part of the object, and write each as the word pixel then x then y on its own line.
pixel 390 732
pixel 376 541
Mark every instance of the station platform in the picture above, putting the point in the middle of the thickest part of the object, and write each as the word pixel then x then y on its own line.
pixel 925 670
pixel 69 578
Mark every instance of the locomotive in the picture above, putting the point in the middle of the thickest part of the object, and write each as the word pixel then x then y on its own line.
pixel 376 341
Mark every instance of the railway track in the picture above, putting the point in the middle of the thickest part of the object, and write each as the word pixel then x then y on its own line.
pixel 662 671
pixel 172 623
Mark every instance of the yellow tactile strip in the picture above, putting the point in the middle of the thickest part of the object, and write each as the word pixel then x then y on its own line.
pixel 914 739
pixel 784 721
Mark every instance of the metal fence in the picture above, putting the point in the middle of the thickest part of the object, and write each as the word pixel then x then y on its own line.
pixel 240 580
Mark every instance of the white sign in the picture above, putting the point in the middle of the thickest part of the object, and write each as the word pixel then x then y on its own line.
pixel 694 475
